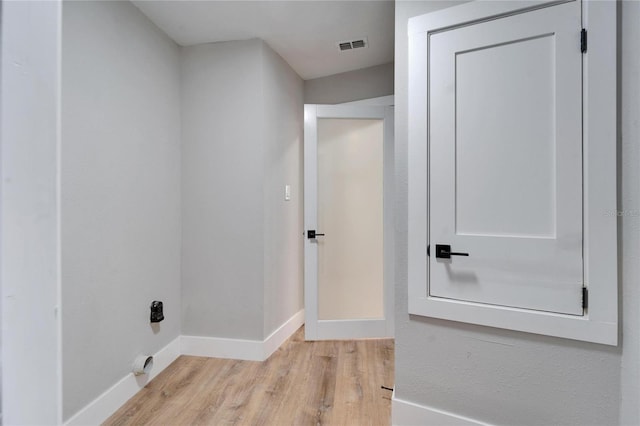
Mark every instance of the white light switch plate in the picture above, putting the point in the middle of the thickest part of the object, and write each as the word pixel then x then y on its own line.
pixel 287 192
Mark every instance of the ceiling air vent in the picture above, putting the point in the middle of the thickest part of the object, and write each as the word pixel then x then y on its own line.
pixel 353 44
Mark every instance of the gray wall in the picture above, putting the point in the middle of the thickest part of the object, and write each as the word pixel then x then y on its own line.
pixel 222 203
pixel 506 377
pixel 629 202
pixel 350 86
pixel 242 136
pixel 120 193
pixel 283 221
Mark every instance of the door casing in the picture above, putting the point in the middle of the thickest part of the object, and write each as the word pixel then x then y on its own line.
pixel 600 322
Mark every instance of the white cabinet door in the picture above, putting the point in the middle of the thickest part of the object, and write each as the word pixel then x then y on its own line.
pixel 505 161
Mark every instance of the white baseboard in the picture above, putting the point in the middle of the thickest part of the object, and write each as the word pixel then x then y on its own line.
pixel 218 347
pixel 282 333
pixel 250 350
pixel 405 413
pixel 113 398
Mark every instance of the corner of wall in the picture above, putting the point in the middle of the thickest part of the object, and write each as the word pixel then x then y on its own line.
pixel 222 181
pixel 282 220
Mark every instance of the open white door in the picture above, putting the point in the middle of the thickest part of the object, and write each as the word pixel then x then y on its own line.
pixel 348 170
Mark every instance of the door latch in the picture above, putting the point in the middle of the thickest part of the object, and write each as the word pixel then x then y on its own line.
pixel 312 234
pixel 443 251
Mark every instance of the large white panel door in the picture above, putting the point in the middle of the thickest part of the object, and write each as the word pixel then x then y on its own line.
pixel 347 172
pixel 505 158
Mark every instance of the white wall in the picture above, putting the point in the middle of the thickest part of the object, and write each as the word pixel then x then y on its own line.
pixel 507 377
pixel 30 213
pixel 120 193
pixel 242 138
pixel 350 86
pixel 283 109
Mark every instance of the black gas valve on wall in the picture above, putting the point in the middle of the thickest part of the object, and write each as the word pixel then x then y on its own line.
pixel 156 311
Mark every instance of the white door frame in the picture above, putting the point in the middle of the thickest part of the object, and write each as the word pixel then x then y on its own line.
pixel 600 322
pixel 316 329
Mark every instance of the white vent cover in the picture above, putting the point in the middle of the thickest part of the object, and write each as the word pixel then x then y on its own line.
pixel 353 44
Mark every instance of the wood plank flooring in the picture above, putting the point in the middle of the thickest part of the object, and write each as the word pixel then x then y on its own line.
pixel 302 383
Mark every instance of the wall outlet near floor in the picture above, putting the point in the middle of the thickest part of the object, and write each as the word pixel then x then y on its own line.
pixel 157 313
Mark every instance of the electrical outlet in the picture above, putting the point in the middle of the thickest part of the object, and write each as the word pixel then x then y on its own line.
pixel 157 313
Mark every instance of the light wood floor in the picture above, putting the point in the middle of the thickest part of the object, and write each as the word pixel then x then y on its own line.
pixel 302 383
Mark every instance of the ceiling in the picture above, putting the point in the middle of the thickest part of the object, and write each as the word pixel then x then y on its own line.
pixel 304 32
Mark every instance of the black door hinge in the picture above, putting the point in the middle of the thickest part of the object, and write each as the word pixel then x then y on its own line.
pixel 583 40
pixel 585 298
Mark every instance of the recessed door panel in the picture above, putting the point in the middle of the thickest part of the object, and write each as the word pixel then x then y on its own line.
pixel 350 254
pixel 496 158
pixel 505 149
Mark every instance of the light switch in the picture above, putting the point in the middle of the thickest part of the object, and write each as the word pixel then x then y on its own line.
pixel 287 192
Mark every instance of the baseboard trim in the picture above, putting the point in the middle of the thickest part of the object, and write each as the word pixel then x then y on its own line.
pixel 218 347
pixel 406 413
pixel 99 410
pixel 249 350
pixel 282 333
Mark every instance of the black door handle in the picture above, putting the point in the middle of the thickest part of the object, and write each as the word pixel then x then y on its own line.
pixel 312 234
pixel 443 251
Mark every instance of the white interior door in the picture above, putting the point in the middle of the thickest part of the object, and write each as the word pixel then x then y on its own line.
pixel 347 187
pixel 505 158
